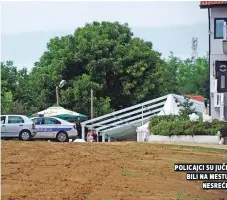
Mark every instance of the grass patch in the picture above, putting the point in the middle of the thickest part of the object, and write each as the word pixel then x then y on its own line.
pixel 181 194
pixel 171 165
pixel 135 192
pixel 115 154
pixel 184 147
pixel 200 149
pixel 132 156
pixel 125 171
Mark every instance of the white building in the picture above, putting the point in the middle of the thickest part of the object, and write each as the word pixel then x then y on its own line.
pixel 217 20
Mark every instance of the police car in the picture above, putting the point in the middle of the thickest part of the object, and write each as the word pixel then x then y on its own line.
pixel 54 128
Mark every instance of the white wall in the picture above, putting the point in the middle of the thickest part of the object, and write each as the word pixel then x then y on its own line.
pixel 216 53
pixel 216 44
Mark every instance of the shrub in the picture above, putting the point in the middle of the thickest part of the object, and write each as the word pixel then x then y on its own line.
pixel 169 118
pixel 187 107
pixel 162 128
pixel 180 126
pixel 223 129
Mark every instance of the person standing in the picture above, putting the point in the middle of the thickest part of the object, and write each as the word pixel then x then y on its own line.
pixel 90 136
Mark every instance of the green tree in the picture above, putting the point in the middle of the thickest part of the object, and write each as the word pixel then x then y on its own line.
pixel 187 77
pixel 193 77
pixel 8 86
pixel 173 64
pixel 187 107
pixel 122 70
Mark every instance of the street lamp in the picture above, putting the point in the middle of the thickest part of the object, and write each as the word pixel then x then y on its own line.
pixel 61 84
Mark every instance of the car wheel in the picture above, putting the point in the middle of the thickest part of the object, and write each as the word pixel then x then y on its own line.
pixel 25 135
pixel 62 137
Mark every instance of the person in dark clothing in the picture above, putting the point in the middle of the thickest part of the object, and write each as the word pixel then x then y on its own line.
pixel 94 136
pixel 78 128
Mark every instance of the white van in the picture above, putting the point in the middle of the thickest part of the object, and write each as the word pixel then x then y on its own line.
pixel 17 126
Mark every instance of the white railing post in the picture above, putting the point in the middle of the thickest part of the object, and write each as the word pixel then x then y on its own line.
pixel 97 133
pixel 103 137
pixel 83 132
pixel 142 115
pixel 225 31
pixel 222 117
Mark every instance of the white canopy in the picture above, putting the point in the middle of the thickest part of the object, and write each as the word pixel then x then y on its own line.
pixel 57 110
pixel 144 127
pixel 60 112
pixel 170 107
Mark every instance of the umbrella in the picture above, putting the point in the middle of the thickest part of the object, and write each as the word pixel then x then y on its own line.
pixel 62 113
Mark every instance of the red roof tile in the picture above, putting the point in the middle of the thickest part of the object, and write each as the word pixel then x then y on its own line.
pixel 207 4
pixel 195 97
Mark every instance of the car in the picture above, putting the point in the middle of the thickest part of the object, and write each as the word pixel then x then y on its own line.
pixel 53 128
pixel 17 126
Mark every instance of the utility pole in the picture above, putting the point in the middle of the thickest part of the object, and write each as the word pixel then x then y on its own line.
pixel 92 106
pixel 57 95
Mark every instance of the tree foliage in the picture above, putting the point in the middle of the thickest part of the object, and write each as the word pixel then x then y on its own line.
pixel 188 77
pixel 121 69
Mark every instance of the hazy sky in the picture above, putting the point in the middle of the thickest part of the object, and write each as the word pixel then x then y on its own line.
pixel 18 18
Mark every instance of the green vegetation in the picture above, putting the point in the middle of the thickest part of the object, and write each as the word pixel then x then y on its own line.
pixel 186 108
pixel 178 125
pixel 181 125
pixel 121 69
pixel 125 171
pixel 183 147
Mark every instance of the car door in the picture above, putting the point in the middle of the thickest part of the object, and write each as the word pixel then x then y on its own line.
pixel 14 126
pixel 50 126
pixel 38 126
pixel 3 126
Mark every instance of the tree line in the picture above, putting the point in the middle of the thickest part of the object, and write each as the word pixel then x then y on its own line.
pixel 122 70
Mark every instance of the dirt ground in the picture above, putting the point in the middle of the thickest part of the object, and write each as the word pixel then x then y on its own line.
pixel 103 171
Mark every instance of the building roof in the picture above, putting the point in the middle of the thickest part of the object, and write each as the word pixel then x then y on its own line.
pixel 209 4
pixel 195 97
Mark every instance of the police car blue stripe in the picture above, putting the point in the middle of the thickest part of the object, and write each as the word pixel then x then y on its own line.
pixel 53 129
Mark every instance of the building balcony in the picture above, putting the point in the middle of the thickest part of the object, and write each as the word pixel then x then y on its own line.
pixel 224 42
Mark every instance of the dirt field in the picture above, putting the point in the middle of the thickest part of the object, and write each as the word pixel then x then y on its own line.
pixel 102 171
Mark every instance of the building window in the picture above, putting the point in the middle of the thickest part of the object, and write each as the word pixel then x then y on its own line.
pixel 221 71
pixel 222 81
pixel 219 28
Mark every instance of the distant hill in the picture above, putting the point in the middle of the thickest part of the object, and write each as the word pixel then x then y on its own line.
pixel 25 49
